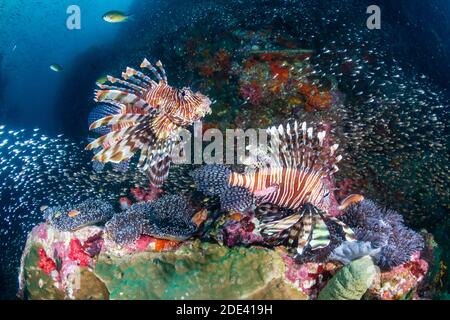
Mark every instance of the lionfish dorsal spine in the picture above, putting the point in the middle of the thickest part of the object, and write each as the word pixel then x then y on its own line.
pixel 297 146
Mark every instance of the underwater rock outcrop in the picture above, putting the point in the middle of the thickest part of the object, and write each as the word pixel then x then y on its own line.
pixel 196 271
pixel 86 264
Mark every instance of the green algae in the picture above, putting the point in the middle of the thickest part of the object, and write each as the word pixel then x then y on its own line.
pixel 39 285
pixel 351 282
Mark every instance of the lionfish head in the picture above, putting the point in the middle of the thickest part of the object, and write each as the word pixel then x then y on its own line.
pixel 199 104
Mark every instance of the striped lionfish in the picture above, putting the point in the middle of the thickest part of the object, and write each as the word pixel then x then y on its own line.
pixel 291 176
pixel 139 113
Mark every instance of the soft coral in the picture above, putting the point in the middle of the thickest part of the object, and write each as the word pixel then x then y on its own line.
pixel 76 253
pixel 46 263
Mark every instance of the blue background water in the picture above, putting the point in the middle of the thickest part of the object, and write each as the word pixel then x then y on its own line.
pixel 33 35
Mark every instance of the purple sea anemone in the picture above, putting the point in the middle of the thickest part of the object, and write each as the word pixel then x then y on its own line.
pixel 168 217
pixel 384 229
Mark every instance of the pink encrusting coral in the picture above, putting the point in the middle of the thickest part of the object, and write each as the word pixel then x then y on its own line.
pixel 45 263
pixel 143 242
pixel 76 253
pixel 241 231
pixel 401 280
pixel 141 194
pixel 309 277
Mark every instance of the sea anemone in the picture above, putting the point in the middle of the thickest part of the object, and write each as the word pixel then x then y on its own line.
pixel 125 227
pixel 168 218
pixel 353 250
pixel 384 229
pixel 73 217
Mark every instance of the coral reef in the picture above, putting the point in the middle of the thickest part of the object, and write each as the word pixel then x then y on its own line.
pixel 400 282
pixel 195 271
pixel 384 229
pixel 85 264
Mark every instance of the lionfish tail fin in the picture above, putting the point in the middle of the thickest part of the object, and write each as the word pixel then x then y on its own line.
pixel 211 179
pixel 297 145
pixel 235 198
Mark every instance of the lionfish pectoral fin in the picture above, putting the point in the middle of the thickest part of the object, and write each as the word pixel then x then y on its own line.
pixel 276 228
pixel 159 172
pixel 236 198
pixel 348 232
pixel 300 235
pixel 320 235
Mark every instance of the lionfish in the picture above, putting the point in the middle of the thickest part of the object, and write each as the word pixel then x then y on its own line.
pixel 290 174
pixel 139 113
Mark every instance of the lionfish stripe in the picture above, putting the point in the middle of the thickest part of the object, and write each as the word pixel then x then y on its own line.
pixel 278 226
pixel 123 96
pixel 349 234
pixel 158 173
pixel 108 139
pixel 115 119
pixel 320 235
pixel 305 233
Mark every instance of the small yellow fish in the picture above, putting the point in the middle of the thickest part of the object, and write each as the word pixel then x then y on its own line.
pixel 102 80
pixel 56 67
pixel 73 213
pixel 115 17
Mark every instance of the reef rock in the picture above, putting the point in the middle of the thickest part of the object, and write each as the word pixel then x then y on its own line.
pixel 69 265
pixel 86 264
pixel 197 271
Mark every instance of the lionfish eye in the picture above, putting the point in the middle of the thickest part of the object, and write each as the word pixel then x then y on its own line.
pixel 183 93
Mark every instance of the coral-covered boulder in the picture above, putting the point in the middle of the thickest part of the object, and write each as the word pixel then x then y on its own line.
pixel 85 264
pixel 197 271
